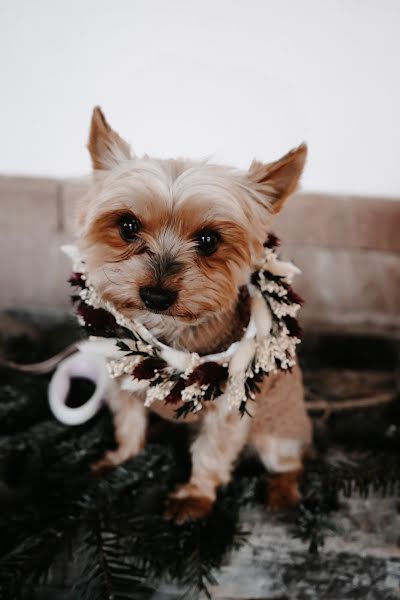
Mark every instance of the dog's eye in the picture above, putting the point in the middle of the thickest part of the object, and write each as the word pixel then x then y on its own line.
pixel 207 241
pixel 128 227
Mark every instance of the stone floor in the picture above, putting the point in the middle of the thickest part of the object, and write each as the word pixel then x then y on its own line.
pixel 360 559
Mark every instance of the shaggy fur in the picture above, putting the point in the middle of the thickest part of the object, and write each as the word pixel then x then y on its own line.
pixel 172 201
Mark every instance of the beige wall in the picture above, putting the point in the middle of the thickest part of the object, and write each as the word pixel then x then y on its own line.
pixel 347 247
pixel 233 78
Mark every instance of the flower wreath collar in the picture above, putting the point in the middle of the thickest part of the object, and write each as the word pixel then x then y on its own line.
pixel 141 362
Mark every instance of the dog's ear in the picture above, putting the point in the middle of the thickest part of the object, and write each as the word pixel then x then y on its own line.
pixel 279 179
pixel 106 147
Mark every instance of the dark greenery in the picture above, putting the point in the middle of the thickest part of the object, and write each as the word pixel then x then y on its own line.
pixel 60 523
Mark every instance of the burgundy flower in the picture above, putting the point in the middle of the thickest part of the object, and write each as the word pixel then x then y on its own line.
pixel 255 278
pixel 208 372
pixel 205 374
pixel 293 296
pixel 98 318
pixel 76 279
pixel 148 367
pixel 174 395
pixel 272 241
pixel 293 326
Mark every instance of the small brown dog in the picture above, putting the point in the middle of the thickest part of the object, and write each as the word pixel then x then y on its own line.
pixel 170 243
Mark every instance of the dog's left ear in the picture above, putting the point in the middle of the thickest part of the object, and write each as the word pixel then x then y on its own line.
pixel 278 180
pixel 105 146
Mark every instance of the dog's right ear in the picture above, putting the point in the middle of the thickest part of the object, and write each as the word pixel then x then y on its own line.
pixel 106 147
pixel 279 179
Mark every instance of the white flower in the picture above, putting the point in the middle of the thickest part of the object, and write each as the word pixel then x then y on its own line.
pixel 194 361
pixel 158 392
pixel 281 309
pixel 193 392
pixel 235 392
pixel 122 366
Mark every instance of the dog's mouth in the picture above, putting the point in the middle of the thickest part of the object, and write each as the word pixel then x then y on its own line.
pixel 178 315
pixel 177 311
pixel 131 308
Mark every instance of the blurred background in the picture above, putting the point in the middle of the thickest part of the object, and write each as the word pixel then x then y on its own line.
pixel 233 79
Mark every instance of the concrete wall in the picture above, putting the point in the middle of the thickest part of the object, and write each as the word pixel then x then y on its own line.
pixel 348 248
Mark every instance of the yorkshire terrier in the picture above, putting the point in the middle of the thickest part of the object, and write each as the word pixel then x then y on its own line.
pixel 172 243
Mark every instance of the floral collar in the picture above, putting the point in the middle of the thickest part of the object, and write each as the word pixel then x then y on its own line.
pixel 139 361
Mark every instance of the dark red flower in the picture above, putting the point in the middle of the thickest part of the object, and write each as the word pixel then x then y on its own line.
pixel 208 372
pixel 293 326
pixel 148 367
pixel 293 296
pixel 76 279
pixel 272 241
pixel 98 318
pixel 175 394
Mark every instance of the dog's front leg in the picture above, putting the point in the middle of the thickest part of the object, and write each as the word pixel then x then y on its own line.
pixel 214 452
pixel 130 420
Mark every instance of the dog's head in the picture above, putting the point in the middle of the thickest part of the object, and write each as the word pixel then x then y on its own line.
pixel 176 237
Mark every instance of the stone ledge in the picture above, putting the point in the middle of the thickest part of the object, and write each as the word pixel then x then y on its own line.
pixel 338 221
pixel 364 282
pixel 309 218
pixel 30 206
pixel 347 247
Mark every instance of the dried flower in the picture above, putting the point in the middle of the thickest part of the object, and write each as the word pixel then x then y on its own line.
pixel 174 395
pixel 272 241
pixel 98 318
pixel 148 368
pixel 208 372
pixel 77 279
pixel 293 326
pixel 293 296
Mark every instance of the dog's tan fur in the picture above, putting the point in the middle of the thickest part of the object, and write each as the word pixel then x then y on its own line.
pixel 173 200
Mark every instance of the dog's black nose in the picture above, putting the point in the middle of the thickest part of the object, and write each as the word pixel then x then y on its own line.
pixel 156 298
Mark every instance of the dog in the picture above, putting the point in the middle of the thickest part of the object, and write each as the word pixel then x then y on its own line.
pixel 172 243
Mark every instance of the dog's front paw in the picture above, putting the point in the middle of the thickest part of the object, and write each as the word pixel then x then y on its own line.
pixel 283 490
pixel 110 460
pixel 188 503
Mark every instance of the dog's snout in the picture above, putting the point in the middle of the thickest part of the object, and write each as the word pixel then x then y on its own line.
pixel 157 298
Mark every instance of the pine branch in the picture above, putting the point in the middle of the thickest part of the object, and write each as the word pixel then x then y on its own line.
pixel 105 573
pixel 189 554
pixel 30 562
